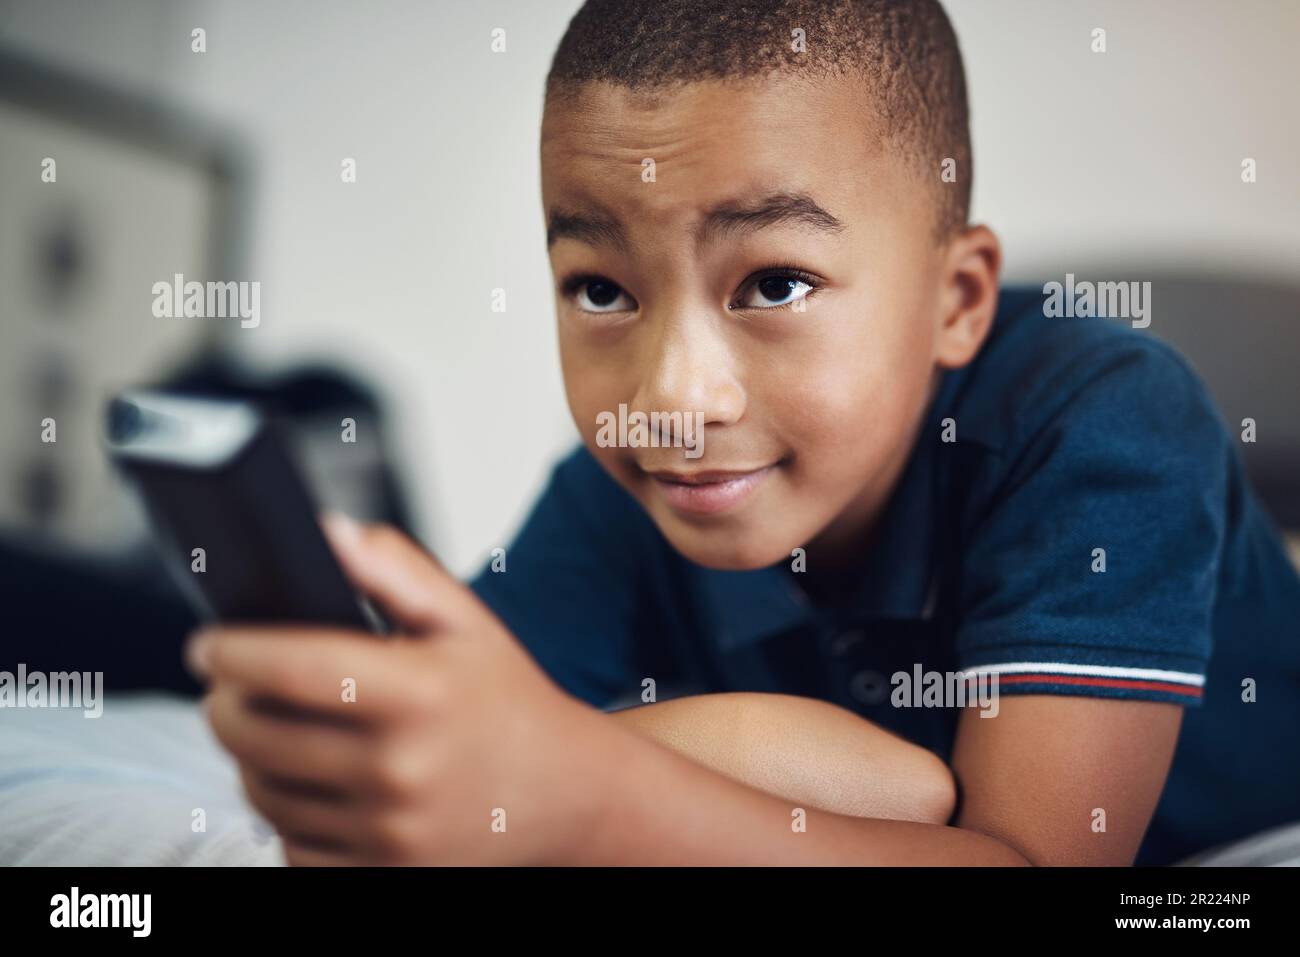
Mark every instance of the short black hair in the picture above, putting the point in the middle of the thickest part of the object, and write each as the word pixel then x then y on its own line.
pixel 904 50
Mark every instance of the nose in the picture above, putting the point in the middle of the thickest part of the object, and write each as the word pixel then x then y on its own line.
pixel 690 368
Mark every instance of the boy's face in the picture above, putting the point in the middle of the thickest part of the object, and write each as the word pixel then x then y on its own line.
pixel 776 271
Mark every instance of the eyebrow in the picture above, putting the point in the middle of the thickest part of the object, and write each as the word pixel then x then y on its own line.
pixel 732 218
pixel 775 209
pixel 595 229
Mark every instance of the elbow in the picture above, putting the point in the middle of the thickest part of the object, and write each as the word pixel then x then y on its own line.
pixel 934 790
pixel 916 786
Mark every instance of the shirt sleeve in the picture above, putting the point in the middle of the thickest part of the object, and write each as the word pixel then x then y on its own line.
pixel 567 586
pixel 1093 570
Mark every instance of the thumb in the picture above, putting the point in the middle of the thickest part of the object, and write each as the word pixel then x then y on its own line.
pixel 409 583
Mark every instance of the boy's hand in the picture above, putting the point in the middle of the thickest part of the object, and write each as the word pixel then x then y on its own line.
pixel 447 745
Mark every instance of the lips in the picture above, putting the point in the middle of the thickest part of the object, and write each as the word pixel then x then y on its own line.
pixel 708 493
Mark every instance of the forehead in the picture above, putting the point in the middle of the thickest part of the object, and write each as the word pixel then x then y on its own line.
pixel 711 142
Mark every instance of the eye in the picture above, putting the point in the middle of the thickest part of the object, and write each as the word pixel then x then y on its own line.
pixel 597 294
pixel 775 288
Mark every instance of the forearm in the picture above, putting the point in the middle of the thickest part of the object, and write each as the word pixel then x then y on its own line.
pixel 809 752
pixel 658 807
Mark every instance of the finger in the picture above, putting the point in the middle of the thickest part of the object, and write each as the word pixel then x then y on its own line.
pixel 305 751
pixel 299 853
pixel 329 672
pixel 409 582
pixel 307 818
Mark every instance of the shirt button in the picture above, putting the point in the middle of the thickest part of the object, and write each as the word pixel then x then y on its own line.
pixel 843 643
pixel 868 687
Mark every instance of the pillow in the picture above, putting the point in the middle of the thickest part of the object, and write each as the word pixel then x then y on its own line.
pixel 145 783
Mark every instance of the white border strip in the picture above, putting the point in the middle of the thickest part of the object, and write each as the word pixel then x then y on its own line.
pixel 1098 671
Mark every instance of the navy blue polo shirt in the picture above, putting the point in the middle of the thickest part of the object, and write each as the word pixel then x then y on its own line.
pixel 1067 436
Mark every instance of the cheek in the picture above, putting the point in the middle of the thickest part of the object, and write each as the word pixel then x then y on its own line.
pixel 852 407
pixel 592 385
pixel 582 389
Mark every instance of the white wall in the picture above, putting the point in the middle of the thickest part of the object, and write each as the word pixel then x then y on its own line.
pixel 1136 153
pixel 1079 156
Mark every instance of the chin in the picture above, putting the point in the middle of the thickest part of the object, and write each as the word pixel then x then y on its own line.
pixel 724 546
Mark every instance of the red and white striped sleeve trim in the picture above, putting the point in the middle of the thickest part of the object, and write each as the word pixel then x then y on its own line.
pixel 1094 676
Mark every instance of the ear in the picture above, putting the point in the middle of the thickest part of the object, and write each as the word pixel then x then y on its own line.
pixel 969 295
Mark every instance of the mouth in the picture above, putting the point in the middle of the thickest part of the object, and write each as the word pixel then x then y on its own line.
pixel 708 492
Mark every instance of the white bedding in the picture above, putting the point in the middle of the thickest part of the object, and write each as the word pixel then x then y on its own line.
pixel 123 788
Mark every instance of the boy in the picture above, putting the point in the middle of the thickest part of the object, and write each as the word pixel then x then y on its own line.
pixel 749 224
